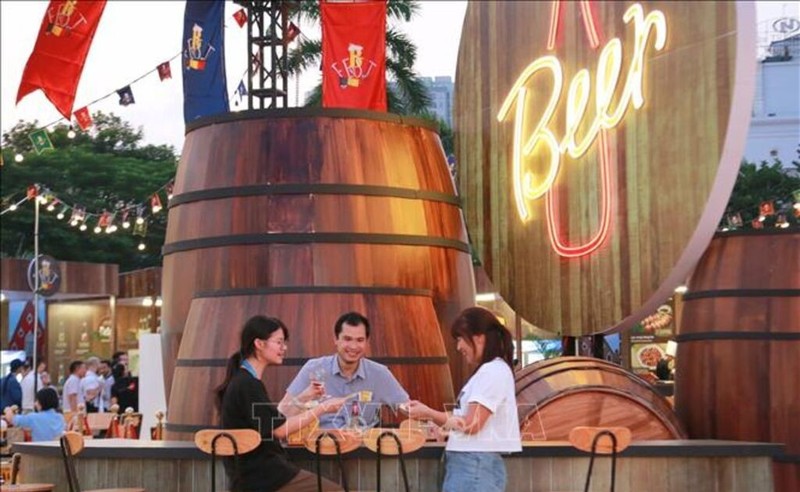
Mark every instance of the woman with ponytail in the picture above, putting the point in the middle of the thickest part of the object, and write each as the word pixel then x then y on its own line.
pixel 484 423
pixel 243 402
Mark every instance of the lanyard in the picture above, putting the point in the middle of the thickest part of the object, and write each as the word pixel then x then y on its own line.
pixel 249 368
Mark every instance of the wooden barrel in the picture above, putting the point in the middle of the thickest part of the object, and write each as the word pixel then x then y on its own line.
pixel 305 215
pixel 555 395
pixel 738 360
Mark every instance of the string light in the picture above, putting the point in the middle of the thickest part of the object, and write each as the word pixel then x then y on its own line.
pixel 97 229
pixel 140 220
pixel 12 207
pixel 83 227
pixel 19 158
pixel 71 134
pixel 141 246
pixel 126 224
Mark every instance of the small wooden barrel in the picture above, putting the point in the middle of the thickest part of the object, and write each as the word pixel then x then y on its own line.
pixel 305 215
pixel 556 395
pixel 739 345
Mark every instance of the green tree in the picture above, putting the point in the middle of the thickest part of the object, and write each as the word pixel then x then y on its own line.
pixel 757 183
pixel 107 168
pixel 405 94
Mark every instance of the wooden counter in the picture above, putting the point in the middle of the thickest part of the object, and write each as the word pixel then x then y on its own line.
pixel 652 466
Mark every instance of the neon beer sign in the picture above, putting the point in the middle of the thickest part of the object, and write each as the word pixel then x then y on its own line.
pixel 542 138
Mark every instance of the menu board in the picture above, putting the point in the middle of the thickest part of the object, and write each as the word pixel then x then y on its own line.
pixel 649 339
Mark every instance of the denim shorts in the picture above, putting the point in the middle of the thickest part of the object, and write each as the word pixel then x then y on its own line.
pixel 474 472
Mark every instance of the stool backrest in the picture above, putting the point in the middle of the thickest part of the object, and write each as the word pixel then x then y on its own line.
pixel 71 444
pixel 409 439
pixel 583 437
pixel 246 441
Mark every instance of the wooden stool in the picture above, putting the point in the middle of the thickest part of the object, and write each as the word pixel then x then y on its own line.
pixel 332 442
pixel 400 441
pixel 589 439
pixel 226 442
pixel 71 444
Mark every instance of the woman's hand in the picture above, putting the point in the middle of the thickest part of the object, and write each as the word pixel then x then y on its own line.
pixel 331 405
pixel 418 410
pixel 315 391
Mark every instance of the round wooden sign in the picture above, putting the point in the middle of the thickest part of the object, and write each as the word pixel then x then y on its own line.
pixel 597 145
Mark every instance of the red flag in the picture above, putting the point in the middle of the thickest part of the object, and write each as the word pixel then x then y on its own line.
pixel 164 72
pixel 56 63
pixel 241 17
pixel 291 32
pixel 83 118
pixel 354 55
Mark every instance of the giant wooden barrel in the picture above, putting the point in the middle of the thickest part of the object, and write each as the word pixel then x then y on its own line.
pixel 304 215
pixel 739 345
pixel 555 395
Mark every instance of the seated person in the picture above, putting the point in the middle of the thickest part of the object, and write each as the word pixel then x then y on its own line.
pixel 47 424
pixel 346 374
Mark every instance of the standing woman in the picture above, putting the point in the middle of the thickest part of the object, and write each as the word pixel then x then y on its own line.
pixel 484 423
pixel 243 402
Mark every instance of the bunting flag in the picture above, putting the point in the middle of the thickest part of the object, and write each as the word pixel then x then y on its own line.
pixel 240 16
pixel 78 214
pixel 57 60
pixel 155 203
pixel 140 227
pixel 24 328
pixel 354 55
pixel 164 71
pixel 83 118
pixel 766 208
pixel 204 85
pixel 735 221
pixel 41 141
pixel 291 33
pixel 103 220
pixel 126 96
pixel 31 192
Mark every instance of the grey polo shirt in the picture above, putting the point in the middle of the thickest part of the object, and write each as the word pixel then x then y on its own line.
pixel 371 386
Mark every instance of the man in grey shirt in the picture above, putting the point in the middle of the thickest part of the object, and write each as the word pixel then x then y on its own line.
pixel 366 384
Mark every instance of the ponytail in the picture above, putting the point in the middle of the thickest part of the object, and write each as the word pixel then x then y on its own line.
pixel 234 362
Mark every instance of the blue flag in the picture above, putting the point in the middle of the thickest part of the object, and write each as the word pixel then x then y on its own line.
pixel 204 85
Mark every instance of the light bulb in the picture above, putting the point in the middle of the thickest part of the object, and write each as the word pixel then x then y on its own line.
pixel 71 134
pixel 141 246
pixel 111 229
pixel 97 229
pixel 73 223
pixel 51 207
pixel 60 215
pixel 12 207
pixel 139 220
pixel 82 227
pixel 126 225
pixel 147 301
pixel 19 158
pixel 159 302
pixel 156 209
pixel 42 199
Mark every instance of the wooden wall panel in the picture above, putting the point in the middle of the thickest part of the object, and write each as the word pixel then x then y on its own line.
pixel 674 160
pixel 88 279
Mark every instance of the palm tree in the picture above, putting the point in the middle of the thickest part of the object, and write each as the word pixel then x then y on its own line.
pixel 405 94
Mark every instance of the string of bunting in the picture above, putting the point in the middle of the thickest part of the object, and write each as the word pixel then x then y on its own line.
pixel 41 140
pixel 779 208
pixel 129 215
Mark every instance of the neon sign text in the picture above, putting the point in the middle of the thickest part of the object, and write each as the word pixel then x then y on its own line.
pixel 527 186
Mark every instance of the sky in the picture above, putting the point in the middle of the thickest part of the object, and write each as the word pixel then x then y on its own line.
pixel 135 36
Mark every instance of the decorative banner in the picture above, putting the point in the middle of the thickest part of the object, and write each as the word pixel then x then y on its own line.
pixel 140 227
pixel 58 57
pixel 735 220
pixel 164 71
pixel 41 141
pixel 240 16
pixel 126 96
pixel 49 275
pixel 204 85
pixel 291 33
pixel 589 187
pixel 83 118
pixel 31 192
pixel 766 208
pixel 24 327
pixel 354 55
pixel 155 203
pixel 78 214
pixel 103 220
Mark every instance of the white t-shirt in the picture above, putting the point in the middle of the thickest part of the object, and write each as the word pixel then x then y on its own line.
pixel 72 386
pixel 28 396
pixel 492 386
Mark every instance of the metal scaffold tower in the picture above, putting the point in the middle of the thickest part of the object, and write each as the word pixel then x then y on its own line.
pixel 267 48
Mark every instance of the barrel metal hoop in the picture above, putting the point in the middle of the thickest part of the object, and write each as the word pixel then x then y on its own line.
pixel 737 335
pixel 313 188
pixel 706 294
pixel 315 289
pixel 787 458
pixel 299 361
pixel 318 237
pixel 273 113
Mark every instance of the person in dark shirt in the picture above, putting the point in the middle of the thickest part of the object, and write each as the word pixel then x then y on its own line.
pixel 243 402
pixel 125 390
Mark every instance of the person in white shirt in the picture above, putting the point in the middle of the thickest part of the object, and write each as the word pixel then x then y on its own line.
pixel 73 396
pixel 108 382
pixel 92 386
pixel 484 423
pixel 28 395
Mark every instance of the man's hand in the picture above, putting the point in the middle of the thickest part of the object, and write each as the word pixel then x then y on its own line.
pixel 417 410
pixel 332 405
pixel 315 391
